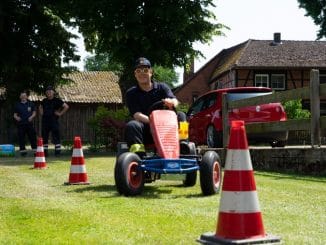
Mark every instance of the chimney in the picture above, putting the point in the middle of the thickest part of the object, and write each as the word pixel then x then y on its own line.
pixel 277 39
pixel 189 71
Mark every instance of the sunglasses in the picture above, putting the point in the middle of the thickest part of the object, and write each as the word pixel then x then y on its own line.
pixel 142 70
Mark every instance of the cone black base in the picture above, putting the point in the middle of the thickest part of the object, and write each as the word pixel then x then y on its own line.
pixel 210 238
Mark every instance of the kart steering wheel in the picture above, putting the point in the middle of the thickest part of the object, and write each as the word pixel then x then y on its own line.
pixel 159 105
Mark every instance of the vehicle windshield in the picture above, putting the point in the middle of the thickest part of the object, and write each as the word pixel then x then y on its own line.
pixel 246 95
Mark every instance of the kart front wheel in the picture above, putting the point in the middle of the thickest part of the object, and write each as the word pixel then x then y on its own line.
pixel 190 179
pixel 129 178
pixel 210 173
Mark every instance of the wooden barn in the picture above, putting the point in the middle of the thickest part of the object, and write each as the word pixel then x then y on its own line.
pixel 84 94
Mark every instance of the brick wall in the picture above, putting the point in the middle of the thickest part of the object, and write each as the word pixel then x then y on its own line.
pixel 196 85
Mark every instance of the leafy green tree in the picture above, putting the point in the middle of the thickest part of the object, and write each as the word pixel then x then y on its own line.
pixel 163 31
pixel 102 62
pixel 34 45
pixel 316 9
pixel 167 75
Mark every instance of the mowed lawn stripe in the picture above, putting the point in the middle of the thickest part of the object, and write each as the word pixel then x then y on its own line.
pixel 37 208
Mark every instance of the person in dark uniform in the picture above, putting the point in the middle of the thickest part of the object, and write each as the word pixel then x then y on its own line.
pixel 139 99
pixel 51 109
pixel 24 114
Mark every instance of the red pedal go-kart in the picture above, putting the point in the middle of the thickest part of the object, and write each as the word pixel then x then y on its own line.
pixel 170 156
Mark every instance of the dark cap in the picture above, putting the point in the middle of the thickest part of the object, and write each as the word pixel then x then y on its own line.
pixel 49 88
pixel 25 91
pixel 142 61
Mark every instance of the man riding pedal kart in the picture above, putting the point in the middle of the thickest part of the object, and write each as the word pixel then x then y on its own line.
pixel 133 167
pixel 139 99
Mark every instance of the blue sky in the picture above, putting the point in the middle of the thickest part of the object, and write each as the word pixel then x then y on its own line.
pixel 249 19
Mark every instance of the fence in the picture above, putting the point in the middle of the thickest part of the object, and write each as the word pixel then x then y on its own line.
pixel 315 124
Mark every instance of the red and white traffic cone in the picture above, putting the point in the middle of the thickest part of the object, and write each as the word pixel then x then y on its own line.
pixel 78 175
pixel 239 220
pixel 39 162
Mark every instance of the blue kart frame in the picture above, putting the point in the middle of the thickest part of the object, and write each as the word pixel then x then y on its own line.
pixel 132 171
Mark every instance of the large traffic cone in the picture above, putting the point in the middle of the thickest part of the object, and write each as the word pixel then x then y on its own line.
pixel 239 220
pixel 78 175
pixel 39 162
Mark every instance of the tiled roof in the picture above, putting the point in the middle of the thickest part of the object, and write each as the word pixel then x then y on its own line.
pixel 288 54
pixel 228 58
pixel 89 87
pixel 263 54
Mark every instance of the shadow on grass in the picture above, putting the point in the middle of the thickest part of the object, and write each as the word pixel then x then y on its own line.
pixel 149 192
pixel 29 162
pixel 17 161
pixel 279 176
pixel 97 188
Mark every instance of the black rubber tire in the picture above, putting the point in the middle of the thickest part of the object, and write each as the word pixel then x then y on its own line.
pixel 190 179
pixel 210 173
pixel 129 180
pixel 190 149
pixel 214 139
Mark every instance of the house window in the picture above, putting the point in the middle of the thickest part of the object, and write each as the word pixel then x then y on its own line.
pixel 278 81
pixel 261 80
pixel 322 78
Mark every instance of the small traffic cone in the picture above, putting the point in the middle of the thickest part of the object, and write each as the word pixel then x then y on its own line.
pixel 78 175
pixel 239 220
pixel 39 162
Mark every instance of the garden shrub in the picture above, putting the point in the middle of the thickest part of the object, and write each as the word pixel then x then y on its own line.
pixel 293 109
pixel 108 126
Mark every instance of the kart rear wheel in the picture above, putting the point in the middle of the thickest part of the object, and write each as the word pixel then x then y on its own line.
pixel 210 173
pixel 129 179
pixel 189 148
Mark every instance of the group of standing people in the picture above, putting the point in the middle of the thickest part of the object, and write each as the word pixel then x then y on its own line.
pixel 51 109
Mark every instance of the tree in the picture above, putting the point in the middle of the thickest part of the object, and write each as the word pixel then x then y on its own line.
pixel 163 31
pixel 33 46
pixel 167 75
pixel 317 10
pixel 34 43
pixel 104 62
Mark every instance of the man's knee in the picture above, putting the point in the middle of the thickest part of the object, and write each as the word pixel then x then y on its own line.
pixel 181 116
pixel 134 132
pixel 134 125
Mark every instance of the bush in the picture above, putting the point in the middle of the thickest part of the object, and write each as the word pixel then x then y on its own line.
pixel 108 126
pixel 183 107
pixel 293 109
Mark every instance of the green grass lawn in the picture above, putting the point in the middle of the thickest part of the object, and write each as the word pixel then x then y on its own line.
pixel 37 208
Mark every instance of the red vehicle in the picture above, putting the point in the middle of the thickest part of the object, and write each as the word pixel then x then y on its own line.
pixel 205 117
